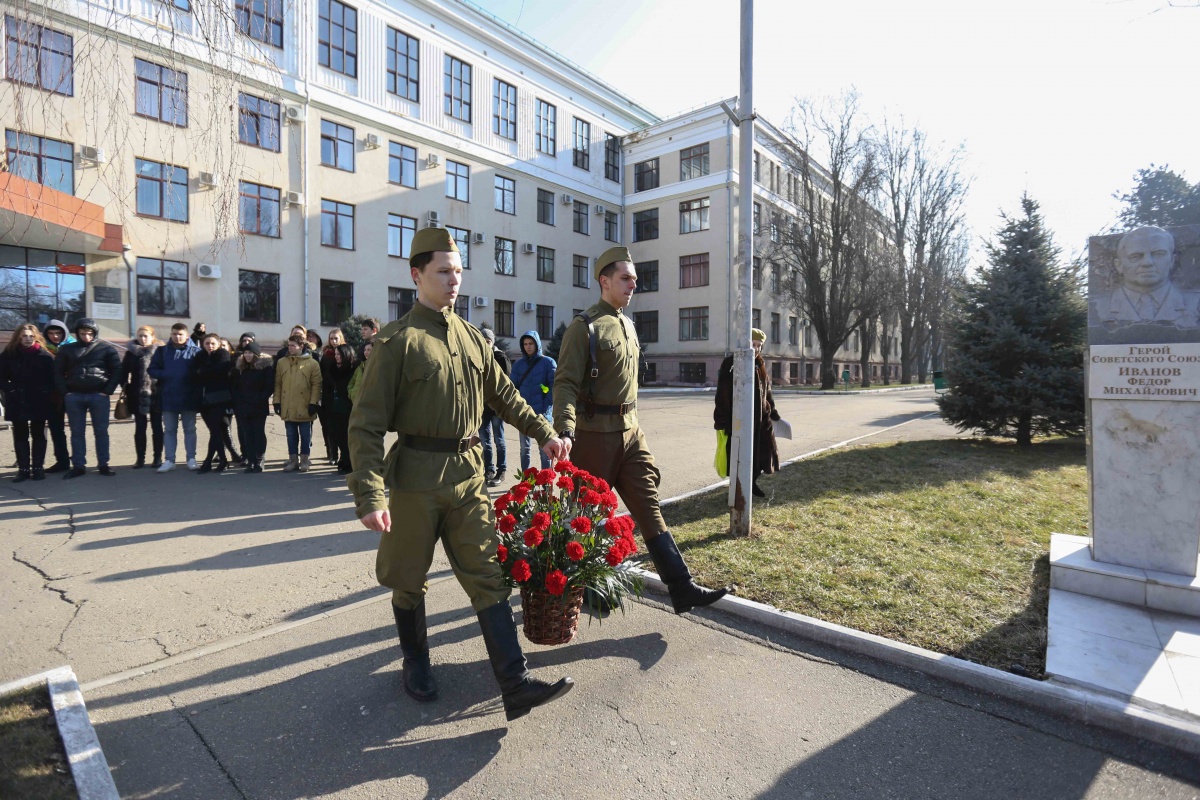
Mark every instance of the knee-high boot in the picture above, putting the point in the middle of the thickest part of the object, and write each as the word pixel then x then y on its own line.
pixel 685 595
pixel 521 691
pixel 418 674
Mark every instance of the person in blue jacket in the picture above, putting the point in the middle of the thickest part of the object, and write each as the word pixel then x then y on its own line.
pixel 533 375
pixel 171 366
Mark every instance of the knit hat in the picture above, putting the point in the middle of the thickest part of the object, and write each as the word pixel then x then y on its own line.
pixel 88 323
pixel 488 334
pixel 253 347
pixel 757 336
pixel 247 335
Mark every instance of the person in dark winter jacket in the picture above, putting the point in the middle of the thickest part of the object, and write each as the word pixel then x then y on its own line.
pixel 326 360
pixel 56 336
pixel 253 384
pixel 171 368
pixel 198 333
pixel 27 379
pixel 210 370
pixel 766 453
pixel 335 389
pixel 533 375
pixel 491 432
pixel 87 372
pixel 141 395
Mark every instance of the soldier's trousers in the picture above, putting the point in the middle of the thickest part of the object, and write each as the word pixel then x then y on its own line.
pixel 461 517
pixel 623 459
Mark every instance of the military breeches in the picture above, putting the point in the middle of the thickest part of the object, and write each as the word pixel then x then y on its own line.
pixel 461 516
pixel 623 459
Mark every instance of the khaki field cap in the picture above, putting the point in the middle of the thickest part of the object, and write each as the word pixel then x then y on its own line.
pixel 757 336
pixel 611 256
pixel 432 240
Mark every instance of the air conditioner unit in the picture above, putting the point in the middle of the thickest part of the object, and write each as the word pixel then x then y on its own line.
pixel 478 238
pixel 566 199
pixel 209 271
pixel 92 154
pixel 432 160
pixel 295 199
pixel 293 114
pixel 480 301
pixel 528 249
pixel 373 141
pixel 433 219
pixel 527 306
pixel 209 179
pixel 599 211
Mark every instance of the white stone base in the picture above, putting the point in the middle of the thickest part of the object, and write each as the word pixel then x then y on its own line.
pixel 1147 656
pixel 1073 569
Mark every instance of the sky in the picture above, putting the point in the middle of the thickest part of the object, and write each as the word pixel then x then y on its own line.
pixel 1063 99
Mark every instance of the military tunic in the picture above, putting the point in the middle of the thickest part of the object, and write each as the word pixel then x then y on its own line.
pixel 430 377
pixel 610 445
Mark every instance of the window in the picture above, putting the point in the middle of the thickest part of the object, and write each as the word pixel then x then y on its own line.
pixel 693 271
pixel 693 324
pixel 160 93
pixel 462 238
pixel 162 287
pixel 651 373
pixel 41 160
pixel 545 134
pixel 462 307
pixel 693 372
pixel 457 89
pixel 808 335
pixel 545 264
pixel 581 218
pixel 545 322
pixel 756 318
pixel 402 164
pixel 40 285
pixel 757 218
pixel 504 321
pixel 506 195
pixel 337 302
pixel 582 153
pixel 545 207
pixel 758 273
pixel 612 157
pixel 580 274
pixel 646 325
pixel 777 372
pixel 162 190
pixel 645 175
pixel 401 231
pixel 506 256
pixel 757 169
pixel 775 228
pixel 612 231
pixel 39 57
pixel 775 270
pixel 458 181
pixel 645 225
pixel 337 225
pixel 261 20
pixel 400 302
pixel 258 122
pixel 504 109
pixel 337 37
pixel 258 211
pixel 647 272
pixel 337 146
pixel 693 215
pixel 258 296
pixel 693 162
pixel 403 65
pixel 775 325
pixel 794 372
pixel 793 331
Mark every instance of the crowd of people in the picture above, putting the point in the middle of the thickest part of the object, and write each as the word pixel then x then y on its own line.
pixel 54 378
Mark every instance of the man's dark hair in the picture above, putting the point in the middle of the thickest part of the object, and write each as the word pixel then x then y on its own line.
pixel 371 323
pixel 608 271
pixel 179 326
pixel 420 260
pixel 298 339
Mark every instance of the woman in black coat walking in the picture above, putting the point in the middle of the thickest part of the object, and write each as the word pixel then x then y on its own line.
pixel 210 373
pixel 141 395
pixel 27 378
pixel 253 383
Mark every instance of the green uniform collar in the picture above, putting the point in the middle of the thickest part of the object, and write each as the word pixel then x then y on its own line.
pixel 425 312
pixel 606 308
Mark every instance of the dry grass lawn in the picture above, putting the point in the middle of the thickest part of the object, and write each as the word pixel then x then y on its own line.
pixel 32 760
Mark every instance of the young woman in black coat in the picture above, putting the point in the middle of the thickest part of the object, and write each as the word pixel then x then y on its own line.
pixel 141 395
pixel 253 382
pixel 27 378
pixel 210 371
pixel 336 400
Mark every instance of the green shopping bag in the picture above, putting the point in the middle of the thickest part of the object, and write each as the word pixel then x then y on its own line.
pixel 721 460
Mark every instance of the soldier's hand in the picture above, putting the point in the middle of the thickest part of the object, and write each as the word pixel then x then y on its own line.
pixel 555 450
pixel 378 521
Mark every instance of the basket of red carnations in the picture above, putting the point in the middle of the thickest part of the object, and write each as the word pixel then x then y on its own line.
pixel 559 535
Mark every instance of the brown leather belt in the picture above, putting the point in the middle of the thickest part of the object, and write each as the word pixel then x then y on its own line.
pixel 621 410
pixel 432 444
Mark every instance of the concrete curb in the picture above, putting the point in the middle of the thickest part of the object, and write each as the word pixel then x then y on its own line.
pixel 785 390
pixel 89 768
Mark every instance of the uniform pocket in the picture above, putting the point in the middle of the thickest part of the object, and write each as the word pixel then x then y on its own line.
pixel 422 371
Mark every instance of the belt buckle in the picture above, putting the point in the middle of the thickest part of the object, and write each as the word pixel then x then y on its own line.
pixel 463 445
pixel 624 409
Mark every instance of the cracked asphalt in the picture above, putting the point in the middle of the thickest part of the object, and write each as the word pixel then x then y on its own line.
pixel 232 643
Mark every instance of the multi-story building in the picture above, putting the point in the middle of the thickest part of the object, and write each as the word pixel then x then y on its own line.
pixel 253 164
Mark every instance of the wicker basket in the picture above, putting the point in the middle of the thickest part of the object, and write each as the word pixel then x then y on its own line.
pixel 549 618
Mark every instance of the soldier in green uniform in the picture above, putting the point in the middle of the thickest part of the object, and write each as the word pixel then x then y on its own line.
pixel 427 379
pixel 595 405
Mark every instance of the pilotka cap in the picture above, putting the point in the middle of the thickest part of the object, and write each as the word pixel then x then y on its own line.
pixel 432 240
pixel 611 256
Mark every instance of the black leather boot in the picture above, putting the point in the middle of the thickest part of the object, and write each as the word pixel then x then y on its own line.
pixel 521 691
pixel 418 674
pixel 685 595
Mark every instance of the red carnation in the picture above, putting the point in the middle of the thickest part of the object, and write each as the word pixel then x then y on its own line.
pixel 581 525
pixel 521 571
pixel 507 523
pixel 541 520
pixel 566 484
pixel 574 551
pixel 609 499
pixel 502 502
pixel 531 472
pixel 564 467
pixel 618 527
pixel 521 491
pixel 556 582
pixel 590 498
pixel 600 484
pixel 614 556
pixel 502 553
pixel 533 537
pixel 545 477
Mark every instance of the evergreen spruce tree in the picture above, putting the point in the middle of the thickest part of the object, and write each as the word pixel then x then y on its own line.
pixel 1015 344
pixel 551 347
